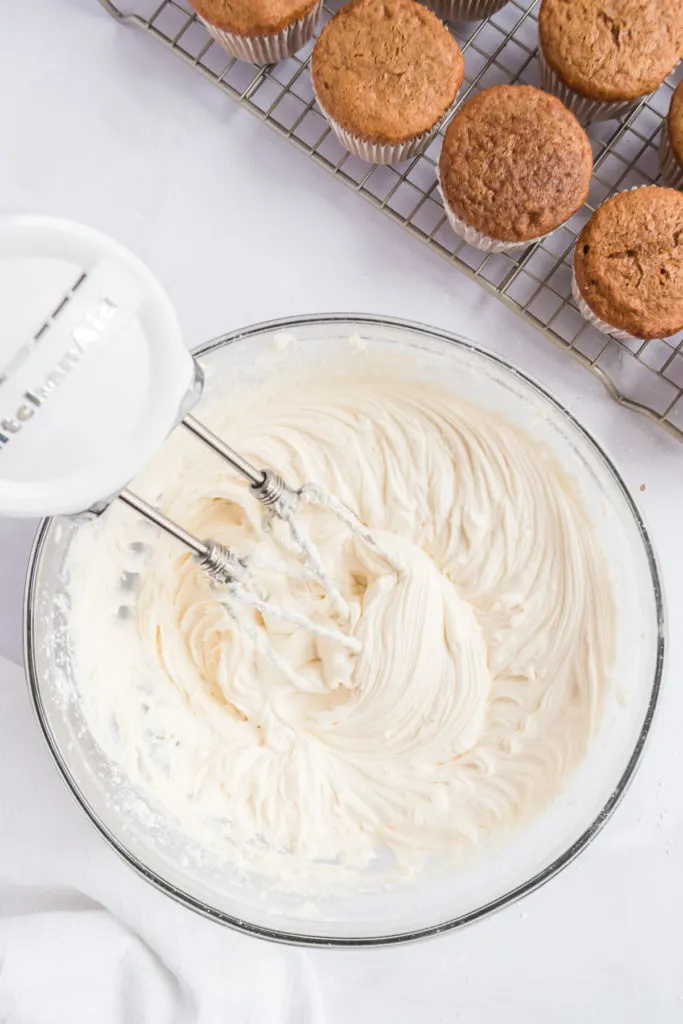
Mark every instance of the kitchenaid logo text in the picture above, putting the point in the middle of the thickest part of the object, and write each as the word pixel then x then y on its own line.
pixel 91 329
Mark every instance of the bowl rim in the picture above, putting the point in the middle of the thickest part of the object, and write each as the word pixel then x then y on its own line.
pixel 514 894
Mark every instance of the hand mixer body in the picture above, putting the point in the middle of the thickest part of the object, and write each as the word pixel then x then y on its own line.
pixel 93 370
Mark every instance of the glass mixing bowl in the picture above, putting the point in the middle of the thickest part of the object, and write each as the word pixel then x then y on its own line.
pixel 434 903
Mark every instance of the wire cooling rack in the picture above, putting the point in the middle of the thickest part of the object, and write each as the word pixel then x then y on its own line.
pixel 535 282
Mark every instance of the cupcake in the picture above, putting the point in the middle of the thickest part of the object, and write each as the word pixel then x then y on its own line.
pixel 260 31
pixel 465 10
pixel 671 142
pixel 628 265
pixel 385 74
pixel 515 164
pixel 601 57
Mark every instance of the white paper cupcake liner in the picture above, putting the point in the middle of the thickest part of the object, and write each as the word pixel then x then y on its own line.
pixel 477 238
pixel 268 49
pixel 465 10
pixel 583 107
pixel 383 152
pixel 672 172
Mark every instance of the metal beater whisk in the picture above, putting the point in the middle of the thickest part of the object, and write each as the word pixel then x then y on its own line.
pixel 218 561
pixel 226 566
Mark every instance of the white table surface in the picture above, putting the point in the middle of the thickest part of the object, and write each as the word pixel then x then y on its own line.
pixel 101 125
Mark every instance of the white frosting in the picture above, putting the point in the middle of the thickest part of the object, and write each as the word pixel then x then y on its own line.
pixel 484 659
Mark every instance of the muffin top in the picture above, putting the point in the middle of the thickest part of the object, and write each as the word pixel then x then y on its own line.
pixel 675 122
pixel 386 70
pixel 515 163
pixel 629 262
pixel 612 49
pixel 252 17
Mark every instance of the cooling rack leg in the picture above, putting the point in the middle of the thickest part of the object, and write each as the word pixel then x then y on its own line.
pixel 112 8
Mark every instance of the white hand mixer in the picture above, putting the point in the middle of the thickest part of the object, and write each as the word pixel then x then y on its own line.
pixel 94 375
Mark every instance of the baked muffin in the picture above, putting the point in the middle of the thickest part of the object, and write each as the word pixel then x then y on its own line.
pixel 465 10
pixel 385 74
pixel 260 31
pixel 671 142
pixel 601 57
pixel 628 264
pixel 515 164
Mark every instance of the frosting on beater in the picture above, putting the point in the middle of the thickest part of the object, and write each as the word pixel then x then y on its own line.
pixel 486 638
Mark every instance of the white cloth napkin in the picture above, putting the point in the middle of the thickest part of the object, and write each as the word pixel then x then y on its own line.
pixel 83 940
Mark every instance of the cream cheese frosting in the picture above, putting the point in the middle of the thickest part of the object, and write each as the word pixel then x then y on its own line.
pixel 486 639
